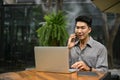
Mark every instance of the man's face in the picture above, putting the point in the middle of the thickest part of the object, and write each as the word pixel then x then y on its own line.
pixel 82 30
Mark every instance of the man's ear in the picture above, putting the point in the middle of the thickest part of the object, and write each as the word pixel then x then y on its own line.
pixel 90 29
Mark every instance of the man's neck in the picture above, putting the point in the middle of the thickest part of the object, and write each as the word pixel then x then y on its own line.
pixel 84 42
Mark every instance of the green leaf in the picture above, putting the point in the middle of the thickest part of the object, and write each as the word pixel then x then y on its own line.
pixel 53 32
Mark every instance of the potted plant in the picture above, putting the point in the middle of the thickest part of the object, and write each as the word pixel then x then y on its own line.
pixel 53 32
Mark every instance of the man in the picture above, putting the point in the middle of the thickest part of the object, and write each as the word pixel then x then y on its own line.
pixel 86 54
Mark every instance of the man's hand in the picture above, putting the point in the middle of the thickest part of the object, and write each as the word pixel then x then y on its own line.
pixel 81 66
pixel 71 41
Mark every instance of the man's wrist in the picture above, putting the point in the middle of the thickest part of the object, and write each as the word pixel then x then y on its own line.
pixel 90 68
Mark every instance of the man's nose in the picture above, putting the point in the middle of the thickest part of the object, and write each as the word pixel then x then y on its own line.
pixel 79 30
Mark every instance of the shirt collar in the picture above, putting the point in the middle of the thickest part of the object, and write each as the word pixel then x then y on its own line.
pixel 89 43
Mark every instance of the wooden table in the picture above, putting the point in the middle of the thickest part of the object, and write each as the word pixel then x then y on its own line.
pixel 36 75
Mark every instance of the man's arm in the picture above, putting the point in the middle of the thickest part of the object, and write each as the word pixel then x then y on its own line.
pixel 102 62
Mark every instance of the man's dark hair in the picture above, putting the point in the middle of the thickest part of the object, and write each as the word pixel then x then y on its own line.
pixel 85 19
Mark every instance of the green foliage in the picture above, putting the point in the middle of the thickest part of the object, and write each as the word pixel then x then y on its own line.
pixel 53 32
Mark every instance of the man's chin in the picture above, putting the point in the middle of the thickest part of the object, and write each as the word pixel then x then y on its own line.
pixel 81 38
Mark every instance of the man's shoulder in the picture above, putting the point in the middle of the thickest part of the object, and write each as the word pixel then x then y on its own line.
pixel 98 44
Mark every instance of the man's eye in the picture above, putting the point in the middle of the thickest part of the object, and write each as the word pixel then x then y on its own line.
pixel 77 27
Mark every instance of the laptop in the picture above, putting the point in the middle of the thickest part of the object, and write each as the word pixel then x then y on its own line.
pixel 52 59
